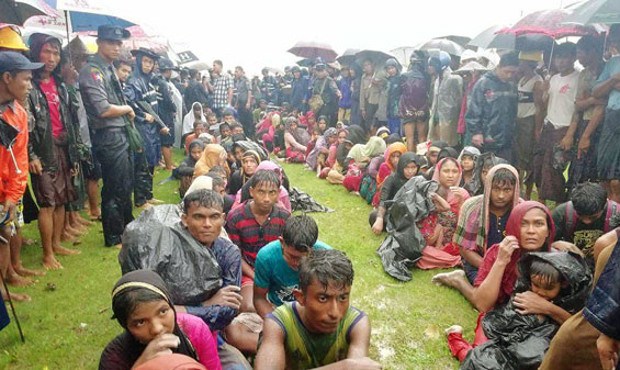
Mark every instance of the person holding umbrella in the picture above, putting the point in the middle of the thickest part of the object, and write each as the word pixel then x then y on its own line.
pixel 15 85
pixel 108 116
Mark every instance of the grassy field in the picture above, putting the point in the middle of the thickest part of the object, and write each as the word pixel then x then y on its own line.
pixel 68 323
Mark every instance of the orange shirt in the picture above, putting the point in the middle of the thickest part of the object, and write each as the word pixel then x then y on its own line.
pixel 13 184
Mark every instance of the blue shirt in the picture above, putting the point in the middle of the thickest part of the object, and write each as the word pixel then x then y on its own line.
pixel 273 273
pixel 611 68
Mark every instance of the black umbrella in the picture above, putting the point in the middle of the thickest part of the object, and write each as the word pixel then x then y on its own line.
pixel 484 38
pixel 446 45
pixel 18 11
pixel 348 57
pixel 377 57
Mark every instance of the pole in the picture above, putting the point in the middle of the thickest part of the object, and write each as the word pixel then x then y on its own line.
pixel 8 295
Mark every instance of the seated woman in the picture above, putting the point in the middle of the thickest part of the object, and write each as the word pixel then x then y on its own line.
pixel 249 161
pixel 332 158
pixel 284 200
pixel 295 140
pixel 265 130
pixel 319 152
pixel 438 228
pixel 467 159
pixel 509 337
pixel 408 167
pixel 359 158
pixel 330 140
pixel 213 155
pixel 185 171
pixel 388 167
pixel 354 135
pixel 142 305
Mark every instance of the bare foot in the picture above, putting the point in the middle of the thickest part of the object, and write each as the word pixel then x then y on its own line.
pixel 51 263
pixel 17 280
pixel 118 246
pixel 75 231
pixel 28 241
pixel 16 297
pixel 66 237
pixel 84 222
pixel 28 272
pixel 65 251
pixel 450 279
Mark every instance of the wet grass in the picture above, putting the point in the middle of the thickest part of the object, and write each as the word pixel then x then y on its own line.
pixel 68 326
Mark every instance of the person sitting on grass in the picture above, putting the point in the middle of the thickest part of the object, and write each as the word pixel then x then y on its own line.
pixel 407 168
pixel 467 159
pixel 276 274
pixel 482 219
pixel 585 218
pixel 185 171
pixel 295 140
pixel 213 155
pixel 255 223
pixel 249 161
pixel 199 128
pixel 284 201
pixel 530 228
pixel 143 307
pixel 319 329
pixel 388 167
pixel 510 337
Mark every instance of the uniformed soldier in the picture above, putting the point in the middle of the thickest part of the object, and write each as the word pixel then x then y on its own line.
pixel 111 120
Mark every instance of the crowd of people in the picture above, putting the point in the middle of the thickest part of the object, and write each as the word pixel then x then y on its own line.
pixel 448 152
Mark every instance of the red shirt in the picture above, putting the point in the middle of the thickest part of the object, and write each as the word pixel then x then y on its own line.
pixel 53 102
pixel 510 273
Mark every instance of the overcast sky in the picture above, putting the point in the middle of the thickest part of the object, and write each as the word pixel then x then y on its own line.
pixel 254 34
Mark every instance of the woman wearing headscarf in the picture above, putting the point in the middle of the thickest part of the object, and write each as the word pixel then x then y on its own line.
pixel 361 155
pixel 213 155
pixel 321 147
pixel 249 163
pixel 143 307
pixel 195 114
pixel 467 159
pixel 331 163
pixel 284 200
pixel 391 157
pixel 440 225
pixel 185 171
pixel 295 140
pixel 408 166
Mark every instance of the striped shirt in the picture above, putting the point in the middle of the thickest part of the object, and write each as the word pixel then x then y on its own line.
pixel 249 235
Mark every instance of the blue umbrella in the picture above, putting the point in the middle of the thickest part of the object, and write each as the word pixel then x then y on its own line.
pixel 81 21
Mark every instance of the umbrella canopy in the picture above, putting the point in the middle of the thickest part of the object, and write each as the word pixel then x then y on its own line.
pixel 18 11
pixel 596 11
pixel 348 57
pixel 305 62
pixel 141 39
pixel 551 23
pixel 484 38
pixel 403 53
pixel 377 58
pixel 461 40
pixel 313 50
pixel 446 45
pixel 525 42
pixel 471 67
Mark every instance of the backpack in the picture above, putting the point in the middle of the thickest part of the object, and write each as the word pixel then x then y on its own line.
pixel 571 216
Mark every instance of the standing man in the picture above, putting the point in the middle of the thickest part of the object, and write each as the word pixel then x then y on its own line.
pixel 492 109
pixel 608 86
pixel 243 101
pixel 167 108
pixel 559 126
pixel 269 87
pixel 370 92
pixel 325 86
pixel 15 85
pixel 447 98
pixel 195 91
pixel 222 88
pixel 109 117
pixel 51 147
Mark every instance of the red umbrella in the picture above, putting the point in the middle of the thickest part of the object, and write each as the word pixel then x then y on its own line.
pixel 551 23
pixel 314 50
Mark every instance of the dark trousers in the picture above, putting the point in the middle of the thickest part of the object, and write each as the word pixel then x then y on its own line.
pixel 143 180
pixel 111 148
pixel 369 122
pixel 246 120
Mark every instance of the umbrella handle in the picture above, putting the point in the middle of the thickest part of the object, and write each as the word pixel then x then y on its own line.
pixel 17 170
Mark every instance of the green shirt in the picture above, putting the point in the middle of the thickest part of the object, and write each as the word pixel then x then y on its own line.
pixel 306 350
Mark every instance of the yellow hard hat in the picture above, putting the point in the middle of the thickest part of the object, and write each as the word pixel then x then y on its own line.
pixel 10 38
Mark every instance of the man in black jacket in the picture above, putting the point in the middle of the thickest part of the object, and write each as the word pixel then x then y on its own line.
pixel 492 109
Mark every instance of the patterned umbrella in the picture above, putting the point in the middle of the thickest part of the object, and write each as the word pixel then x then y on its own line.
pixel 551 23
pixel 313 50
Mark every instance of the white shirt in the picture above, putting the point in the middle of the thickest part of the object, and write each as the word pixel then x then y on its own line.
pixel 562 95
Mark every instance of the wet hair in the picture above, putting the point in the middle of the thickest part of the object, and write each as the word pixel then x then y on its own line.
pixel 265 177
pixel 590 44
pixel 300 232
pixel 588 198
pixel 125 302
pixel 549 275
pixel 198 123
pixel 504 177
pixel 566 50
pixel 203 198
pixel 209 115
pixel 510 59
pixel 216 180
pixel 218 62
pixel 224 126
pixel 327 266
pixel 218 170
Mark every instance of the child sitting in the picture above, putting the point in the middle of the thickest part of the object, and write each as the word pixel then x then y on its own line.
pixel 508 336
pixel 185 171
pixel 199 128
pixel 468 158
